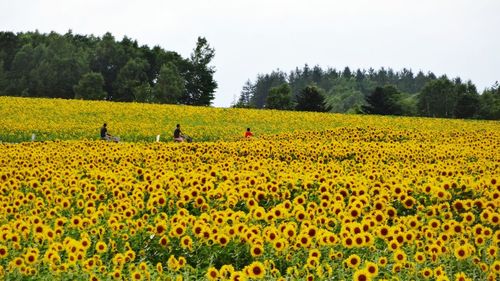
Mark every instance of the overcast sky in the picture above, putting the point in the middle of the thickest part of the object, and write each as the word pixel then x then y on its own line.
pixel 453 37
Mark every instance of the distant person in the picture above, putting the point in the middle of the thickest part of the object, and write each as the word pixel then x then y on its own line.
pixel 178 136
pixel 248 134
pixel 107 136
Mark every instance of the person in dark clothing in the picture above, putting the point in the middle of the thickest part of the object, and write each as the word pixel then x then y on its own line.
pixel 107 136
pixel 104 132
pixel 178 136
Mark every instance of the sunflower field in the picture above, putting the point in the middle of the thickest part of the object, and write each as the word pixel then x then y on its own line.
pixel 311 197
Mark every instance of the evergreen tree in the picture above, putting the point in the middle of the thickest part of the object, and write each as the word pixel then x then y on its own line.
pixel 263 86
pixel 383 101
pixel 246 94
pixel 467 102
pixel 311 98
pixel 279 97
pixel 489 103
pixel 3 78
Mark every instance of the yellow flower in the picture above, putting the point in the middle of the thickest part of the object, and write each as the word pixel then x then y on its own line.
pixel 101 247
pixel 256 270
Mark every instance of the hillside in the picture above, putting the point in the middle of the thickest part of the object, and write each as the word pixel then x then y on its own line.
pixel 58 119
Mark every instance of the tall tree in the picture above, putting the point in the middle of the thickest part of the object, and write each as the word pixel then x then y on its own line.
pixel 263 86
pixel 437 98
pixel 279 97
pixel 467 102
pixel 170 85
pixel 311 98
pixel 9 45
pixel 130 76
pixel 90 87
pixel 245 95
pixel 200 86
pixel 3 78
pixel 383 101
pixel 489 103
pixel 108 58
pixel 21 78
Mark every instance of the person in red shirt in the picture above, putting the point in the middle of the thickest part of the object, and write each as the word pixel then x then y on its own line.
pixel 248 133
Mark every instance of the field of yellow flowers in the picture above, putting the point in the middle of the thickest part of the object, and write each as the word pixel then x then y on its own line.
pixel 57 119
pixel 360 198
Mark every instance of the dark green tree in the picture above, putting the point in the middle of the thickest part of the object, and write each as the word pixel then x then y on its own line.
pixel 130 76
pixel 384 101
pixel 263 86
pixel 170 85
pixel 489 103
pixel 467 102
pixel 280 97
pixel 108 58
pixel 438 98
pixel 21 80
pixel 90 87
pixel 245 96
pixel 61 67
pixel 3 78
pixel 143 93
pixel 9 45
pixel 200 86
pixel 312 98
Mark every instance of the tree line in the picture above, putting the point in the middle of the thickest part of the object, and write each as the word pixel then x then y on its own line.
pixel 87 67
pixel 383 91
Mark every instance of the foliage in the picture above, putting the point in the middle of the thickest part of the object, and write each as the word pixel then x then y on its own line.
pixel 279 97
pixel 170 86
pixel 384 101
pixel 346 91
pixel 489 105
pixel 311 98
pixel 52 65
pixel 200 85
pixel 90 87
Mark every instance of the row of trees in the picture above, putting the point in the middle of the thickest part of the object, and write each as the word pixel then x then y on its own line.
pixel 368 91
pixel 88 67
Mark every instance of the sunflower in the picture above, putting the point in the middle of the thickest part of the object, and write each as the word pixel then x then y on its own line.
pixel 461 252
pixel 187 242
pixel 256 250
pixel 419 257
pixel 461 276
pixel 223 240
pixel 353 261
pixel 31 258
pixel 159 268
pixel 426 273
pixel 101 247
pixel 136 275
pixel 256 270
pixel 212 274
pixel 361 275
pixel 371 268
pixel 279 244
pixel 382 261
pixel 4 251
pixel 116 274
pixel 238 276
pixel 399 256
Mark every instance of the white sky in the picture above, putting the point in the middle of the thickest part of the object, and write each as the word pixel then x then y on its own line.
pixel 453 37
